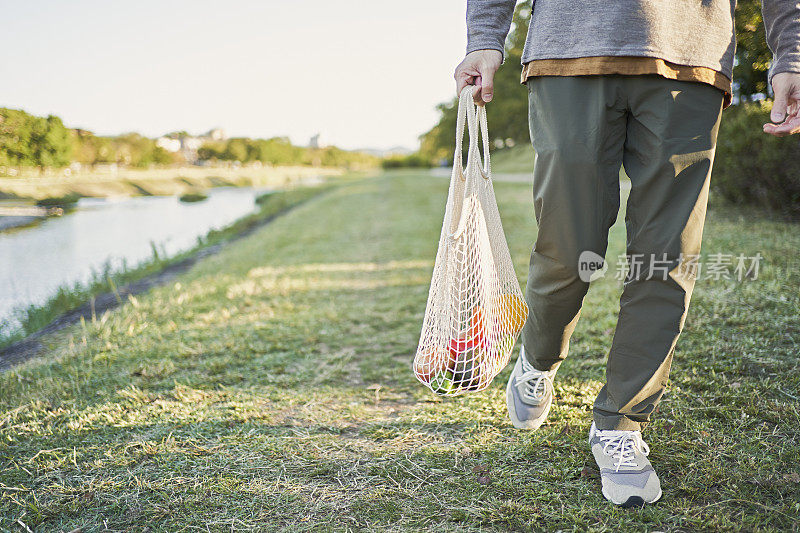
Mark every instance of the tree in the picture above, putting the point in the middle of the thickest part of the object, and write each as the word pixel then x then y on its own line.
pixel 27 140
pixel 138 151
pixel 50 142
pixel 275 151
pixel 508 111
pixel 211 151
pixel 89 149
pixel 15 136
pixel 752 54
pixel 237 150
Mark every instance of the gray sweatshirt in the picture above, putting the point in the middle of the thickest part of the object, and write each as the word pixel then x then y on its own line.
pixel 697 33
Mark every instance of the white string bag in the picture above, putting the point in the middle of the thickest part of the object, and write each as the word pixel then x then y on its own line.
pixel 475 308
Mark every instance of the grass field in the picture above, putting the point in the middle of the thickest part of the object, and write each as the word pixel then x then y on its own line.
pixel 516 160
pixel 270 388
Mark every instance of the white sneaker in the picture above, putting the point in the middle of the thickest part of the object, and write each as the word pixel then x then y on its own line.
pixel 627 477
pixel 529 394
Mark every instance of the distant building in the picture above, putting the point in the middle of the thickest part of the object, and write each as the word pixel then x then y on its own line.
pixel 191 144
pixel 388 152
pixel 216 134
pixel 168 144
pixel 314 142
pixel 187 144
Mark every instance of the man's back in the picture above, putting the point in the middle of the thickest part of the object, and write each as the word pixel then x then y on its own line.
pixel 692 33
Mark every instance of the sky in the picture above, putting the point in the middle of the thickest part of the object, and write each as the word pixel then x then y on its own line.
pixel 365 73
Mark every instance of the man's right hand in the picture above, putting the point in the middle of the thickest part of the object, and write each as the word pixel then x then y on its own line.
pixel 478 69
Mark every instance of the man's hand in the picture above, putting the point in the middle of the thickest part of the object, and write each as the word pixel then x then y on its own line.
pixel 786 108
pixel 478 69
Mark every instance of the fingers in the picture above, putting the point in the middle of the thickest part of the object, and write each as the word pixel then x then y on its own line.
pixel 780 104
pixel 464 75
pixel 487 84
pixel 478 69
pixel 790 126
pixel 476 92
pixel 785 109
pixel 463 82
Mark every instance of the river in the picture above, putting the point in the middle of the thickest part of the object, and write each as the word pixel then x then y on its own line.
pixel 60 251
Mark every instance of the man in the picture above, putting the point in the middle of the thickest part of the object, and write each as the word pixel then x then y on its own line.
pixel 639 83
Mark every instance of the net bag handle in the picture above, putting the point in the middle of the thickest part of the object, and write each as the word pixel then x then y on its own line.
pixel 475 119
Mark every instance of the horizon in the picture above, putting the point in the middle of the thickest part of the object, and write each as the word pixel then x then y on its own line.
pixel 205 133
pixel 200 68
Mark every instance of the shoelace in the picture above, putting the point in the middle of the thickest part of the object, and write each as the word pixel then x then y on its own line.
pixel 622 446
pixel 535 382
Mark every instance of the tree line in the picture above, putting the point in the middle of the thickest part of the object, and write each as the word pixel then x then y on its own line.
pixel 280 151
pixel 30 141
pixel 45 142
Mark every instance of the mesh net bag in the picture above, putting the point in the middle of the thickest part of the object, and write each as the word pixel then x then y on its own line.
pixel 475 308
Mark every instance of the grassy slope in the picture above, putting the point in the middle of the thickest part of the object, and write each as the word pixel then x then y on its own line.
pixel 241 397
pixel 516 160
pixel 519 160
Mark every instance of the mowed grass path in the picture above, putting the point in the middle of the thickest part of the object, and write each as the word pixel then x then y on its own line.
pixel 270 389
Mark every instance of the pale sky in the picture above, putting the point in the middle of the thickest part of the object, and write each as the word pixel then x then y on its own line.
pixel 363 73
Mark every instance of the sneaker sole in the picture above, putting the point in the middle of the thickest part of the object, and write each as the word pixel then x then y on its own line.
pixel 634 501
pixel 527 424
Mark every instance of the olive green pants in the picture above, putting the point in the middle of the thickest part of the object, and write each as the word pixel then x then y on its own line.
pixel 583 128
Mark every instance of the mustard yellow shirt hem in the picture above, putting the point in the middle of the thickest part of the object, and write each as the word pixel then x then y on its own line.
pixel 629 66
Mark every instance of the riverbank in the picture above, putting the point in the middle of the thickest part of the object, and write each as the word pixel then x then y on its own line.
pixel 115 288
pixel 16 214
pixel 109 182
pixel 187 181
pixel 109 283
pixel 269 386
pixel 8 222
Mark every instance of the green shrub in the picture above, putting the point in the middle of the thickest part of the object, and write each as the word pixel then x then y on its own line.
pixel 406 161
pixel 66 201
pixel 752 167
pixel 191 197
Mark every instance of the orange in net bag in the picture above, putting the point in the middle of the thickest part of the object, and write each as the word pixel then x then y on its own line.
pixel 475 308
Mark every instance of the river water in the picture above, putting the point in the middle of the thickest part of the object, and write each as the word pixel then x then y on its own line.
pixel 37 260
